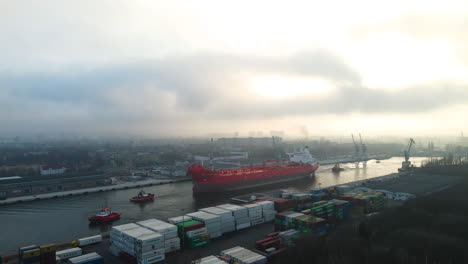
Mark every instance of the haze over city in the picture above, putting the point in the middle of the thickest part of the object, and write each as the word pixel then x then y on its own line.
pixel 190 68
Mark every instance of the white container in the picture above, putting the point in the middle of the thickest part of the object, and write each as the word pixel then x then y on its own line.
pixel 147 248
pixel 124 227
pixel 196 232
pixel 166 229
pixel 205 217
pixel 257 221
pixel 150 239
pixel 179 219
pixel 151 260
pixel 237 211
pixel 209 260
pixel 89 240
pixel 242 226
pixel 69 253
pixel 152 253
pixel 218 211
pixel 242 220
pixel 244 256
pixel 84 258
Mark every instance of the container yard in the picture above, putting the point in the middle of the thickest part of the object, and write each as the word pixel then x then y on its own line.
pixel 282 219
pixel 266 226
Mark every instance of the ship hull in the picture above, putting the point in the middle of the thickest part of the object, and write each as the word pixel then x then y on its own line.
pixel 245 184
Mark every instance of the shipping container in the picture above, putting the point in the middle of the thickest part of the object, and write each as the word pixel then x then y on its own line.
pixel 89 240
pixel 69 253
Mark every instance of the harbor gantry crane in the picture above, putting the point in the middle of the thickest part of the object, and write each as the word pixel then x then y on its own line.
pixel 407 163
pixel 363 149
pixel 357 149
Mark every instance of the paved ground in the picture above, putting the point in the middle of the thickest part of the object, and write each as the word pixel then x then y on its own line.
pixel 418 184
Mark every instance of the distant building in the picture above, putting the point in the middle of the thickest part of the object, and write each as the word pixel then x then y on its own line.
pixel 53 170
pixel 247 141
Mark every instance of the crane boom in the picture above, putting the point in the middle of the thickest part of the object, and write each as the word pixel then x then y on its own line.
pixel 407 152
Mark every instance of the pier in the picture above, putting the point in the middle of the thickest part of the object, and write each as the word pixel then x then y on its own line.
pixel 114 187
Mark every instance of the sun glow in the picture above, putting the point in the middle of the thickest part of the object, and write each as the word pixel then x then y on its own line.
pixel 278 87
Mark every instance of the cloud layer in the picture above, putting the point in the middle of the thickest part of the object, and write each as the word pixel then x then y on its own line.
pixel 182 90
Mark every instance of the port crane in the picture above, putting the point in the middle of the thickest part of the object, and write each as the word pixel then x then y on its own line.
pixel 356 148
pixel 363 149
pixel 360 150
pixel 407 163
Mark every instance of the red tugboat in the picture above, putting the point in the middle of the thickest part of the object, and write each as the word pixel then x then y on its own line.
pixel 104 216
pixel 142 197
pixel 337 168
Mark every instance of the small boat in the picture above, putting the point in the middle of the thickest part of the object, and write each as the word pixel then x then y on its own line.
pixel 337 168
pixel 104 216
pixel 142 197
pixel 377 161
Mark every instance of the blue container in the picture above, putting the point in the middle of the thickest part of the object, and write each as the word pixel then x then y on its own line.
pixel 315 198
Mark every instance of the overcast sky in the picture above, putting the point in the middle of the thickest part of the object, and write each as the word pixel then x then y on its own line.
pixel 196 67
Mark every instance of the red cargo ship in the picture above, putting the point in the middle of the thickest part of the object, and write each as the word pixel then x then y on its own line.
pixel 301 165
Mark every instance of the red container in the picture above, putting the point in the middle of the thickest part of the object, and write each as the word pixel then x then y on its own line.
pixel 194 227
pixel 272 243
pixel 274 234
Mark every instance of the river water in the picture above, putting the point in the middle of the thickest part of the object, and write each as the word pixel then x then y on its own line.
pixel 65 219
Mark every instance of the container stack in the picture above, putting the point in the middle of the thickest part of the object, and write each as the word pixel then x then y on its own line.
pixel 145 245
pixel 303 200
pixel 212 222
pixel 241 215
pixel 287 237
pixel 323 209
pixel 318 194
pixel 244 256
pixel 29 254
pixel 255 213
pixel 193 233
pixel 285 205
pixel 342 209
pixel 376 202
pixel 311 224
pixel 268 210
pixel 48 253
pixel 270 241
pixel 91 258
pixel 228 222
pixel 209 260
pixel 285 220
pixel 368 201
pixel 169 232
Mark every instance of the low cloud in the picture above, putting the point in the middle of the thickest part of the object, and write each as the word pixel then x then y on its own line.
pixel 177 91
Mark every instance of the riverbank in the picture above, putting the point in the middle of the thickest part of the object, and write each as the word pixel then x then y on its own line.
pixel 120 186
